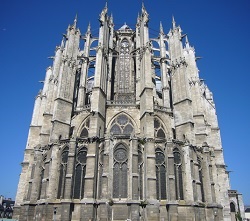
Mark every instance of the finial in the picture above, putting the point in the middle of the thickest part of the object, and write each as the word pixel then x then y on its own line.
pixel 161 28
pixel 111 20
pixel 75 20
pixel 62 43
pixel 106 4
pixel 187 42
pixel 143 6
pixel 88 29
pixel 173 22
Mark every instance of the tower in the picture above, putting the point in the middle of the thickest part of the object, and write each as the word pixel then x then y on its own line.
pixel 136 140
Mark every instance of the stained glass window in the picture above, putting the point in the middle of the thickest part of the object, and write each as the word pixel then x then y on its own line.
pixel 201 180
pixel 62 173
pixel 160 174
pixel 85 129
pixel 41 183
pixel 124 72
pixel 80 171
pixel 178 174
pixel 101 159
pixel 159 131
pixel 140 168
pixel 122 125
pixel 120 175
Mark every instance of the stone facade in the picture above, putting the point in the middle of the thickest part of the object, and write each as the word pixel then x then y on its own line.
pixel 136 140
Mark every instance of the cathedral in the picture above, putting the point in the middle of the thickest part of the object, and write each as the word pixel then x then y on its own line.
pixel 124 129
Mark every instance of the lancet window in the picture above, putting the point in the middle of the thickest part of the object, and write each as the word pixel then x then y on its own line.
pixel 178 174
pixel 85 129
pixel 159 131
pixel 122 125
pixel 42 172
pixel 62 172
pixel 101 161
pixel 140 171
pixel 160 174
pixel 124 77
pixel 201 179
pixel 120 176
pixel 80 171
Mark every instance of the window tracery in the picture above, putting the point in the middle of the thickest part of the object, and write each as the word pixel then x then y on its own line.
pixel 159 131
pixel 120 175
pixel 85 129
pixel 122 125
pixel 62 173
pixel 42 172
pixel 124 78
pixel 101 162
pixel 201 179
pixel 160 174
pixel 178 174
pixel 80 171
pixel 140 171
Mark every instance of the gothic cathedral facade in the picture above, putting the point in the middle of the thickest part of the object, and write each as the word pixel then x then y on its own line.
pixel 123 129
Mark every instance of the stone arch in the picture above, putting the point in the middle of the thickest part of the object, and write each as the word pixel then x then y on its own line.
pixel 178 170
pixel 161 173
pixel 62 171
pixel 80 172
pixel 84 125
pixel 132 122
pixel 160 128
pixel 120 170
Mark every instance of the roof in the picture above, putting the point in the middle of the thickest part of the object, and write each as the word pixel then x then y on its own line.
pixel 247 210
pixel 125 27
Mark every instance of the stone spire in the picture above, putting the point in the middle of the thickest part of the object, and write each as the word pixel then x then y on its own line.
pixel 173 22
pixel 75 21
pixel 88 29
pixel 187 42
pixel 161 29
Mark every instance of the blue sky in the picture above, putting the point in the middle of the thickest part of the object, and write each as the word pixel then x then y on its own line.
pixel 219 31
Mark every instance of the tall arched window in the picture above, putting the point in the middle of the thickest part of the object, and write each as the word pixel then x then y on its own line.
pixel 178 174
pixel 62 173
pixel 140 171
pixel 41 182
pixel 124 68
pixel 80 171
pixel 42 172
pixel 232 207
pixel 201 180
pixel 101 159
pixel 160 174
pixel 120 174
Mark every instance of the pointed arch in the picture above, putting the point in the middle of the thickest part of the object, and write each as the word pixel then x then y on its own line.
pixel 178 174
pixel 62 172
pixel 140 170
pixel 101 169
pixel 200 176
pixel 122 124
pixel 161 183
pixel 120 171
pixel 80 172
pixel 159 129
pixel 84 131
pixel 42 173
